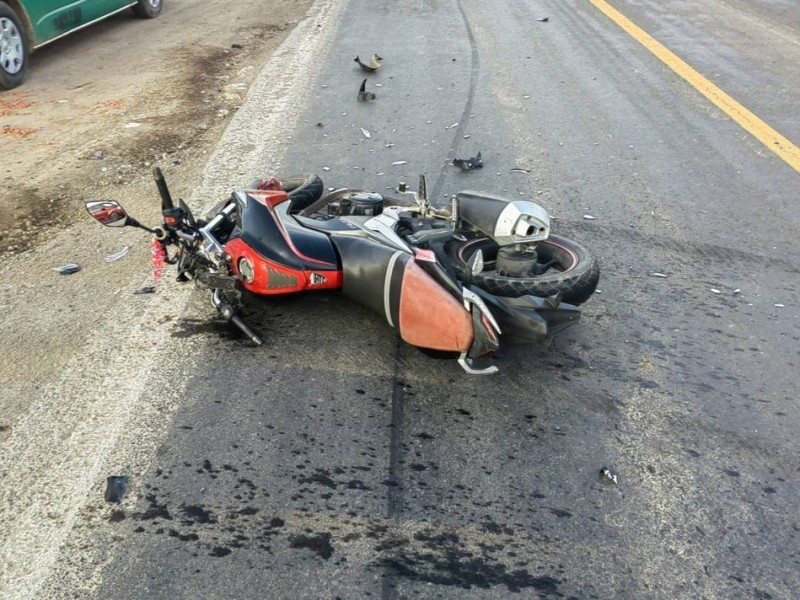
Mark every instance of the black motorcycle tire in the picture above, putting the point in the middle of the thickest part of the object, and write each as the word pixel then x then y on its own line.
pixel 576 278
pixel 303 190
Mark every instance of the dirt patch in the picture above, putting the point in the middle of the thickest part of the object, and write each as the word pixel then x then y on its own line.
pixel 81 129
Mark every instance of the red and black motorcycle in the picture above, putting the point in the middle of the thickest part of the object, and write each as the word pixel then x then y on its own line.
pixel 459 279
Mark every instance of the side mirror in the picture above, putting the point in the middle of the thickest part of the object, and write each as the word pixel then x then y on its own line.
pixel 109 213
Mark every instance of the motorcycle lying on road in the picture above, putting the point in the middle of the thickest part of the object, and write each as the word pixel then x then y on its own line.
pixel 457 279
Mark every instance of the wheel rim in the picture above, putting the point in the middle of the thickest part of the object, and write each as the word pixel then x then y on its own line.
pixel 154 3
pixel 11 49
pixel 559 257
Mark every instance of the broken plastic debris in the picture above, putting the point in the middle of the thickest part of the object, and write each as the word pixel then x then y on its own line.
pixel 118 255
pixel 400 162
pixel 373 65
pixel 543 19
pixel 608 476
pixel 656 274
pixel 116 486
pixel 519 170
pixel 715 291
pixel 366 133
pixel 737 291
pixel 326 168
pixel 148 289
pixel 779 305
pixel 589 217
pixel 467 164
pixel 132 125
pixel 363 94
pixel 451 126
pixel 68 269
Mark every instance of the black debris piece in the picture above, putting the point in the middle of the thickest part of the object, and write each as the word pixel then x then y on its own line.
pixel 373 65
pixel 467 164
pixel 116 486
pixel 363 94
pixel 236 46
pixel 148 289
pixel 543 19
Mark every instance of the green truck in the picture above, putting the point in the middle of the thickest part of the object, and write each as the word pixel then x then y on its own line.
pixel 29 24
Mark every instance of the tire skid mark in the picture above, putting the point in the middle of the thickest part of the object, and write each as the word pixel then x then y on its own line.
pixel 394 494
pixel 465 115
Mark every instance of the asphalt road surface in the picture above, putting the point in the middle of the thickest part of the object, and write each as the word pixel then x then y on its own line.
pixel 338 462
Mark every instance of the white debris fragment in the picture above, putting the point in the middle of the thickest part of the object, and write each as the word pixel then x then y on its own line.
pixel 779 305
pixel 451 126
pixel 326 168
pixel 589 217
pixel 609 476
pixel 118 255
pixel 366 133
pixel 132 125
pixel 656 274
pixel 715 291
pixel 400 162
pixel 737 291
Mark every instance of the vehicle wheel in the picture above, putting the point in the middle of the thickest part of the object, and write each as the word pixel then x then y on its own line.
pixel 572 271
pixel 148 9
pixel 13 48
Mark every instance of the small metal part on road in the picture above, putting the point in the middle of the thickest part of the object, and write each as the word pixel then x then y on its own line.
pixel 68 269
pixel 363 94
pixel 467 164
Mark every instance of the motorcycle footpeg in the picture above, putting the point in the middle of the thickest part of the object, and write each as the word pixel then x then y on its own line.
pixel 229 313
pixel 476 366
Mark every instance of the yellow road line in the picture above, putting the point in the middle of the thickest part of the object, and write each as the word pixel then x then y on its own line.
pixel 773 140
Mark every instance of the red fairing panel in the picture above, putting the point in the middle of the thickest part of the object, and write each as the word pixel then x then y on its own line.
pixel 271 278
pixel 429 316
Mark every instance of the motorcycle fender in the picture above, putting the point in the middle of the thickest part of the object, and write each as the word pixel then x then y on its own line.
pixel 429 315
pixel 390 283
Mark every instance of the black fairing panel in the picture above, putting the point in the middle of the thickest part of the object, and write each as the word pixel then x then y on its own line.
pixel 365 265
pixel 258 228
pixel 528 318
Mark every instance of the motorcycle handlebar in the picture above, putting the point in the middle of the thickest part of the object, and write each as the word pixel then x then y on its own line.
pixel 166 199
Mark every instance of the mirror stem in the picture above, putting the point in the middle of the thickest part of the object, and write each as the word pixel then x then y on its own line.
pixel 131 222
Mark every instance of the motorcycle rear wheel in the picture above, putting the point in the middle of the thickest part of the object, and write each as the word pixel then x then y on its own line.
pixel 574 273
